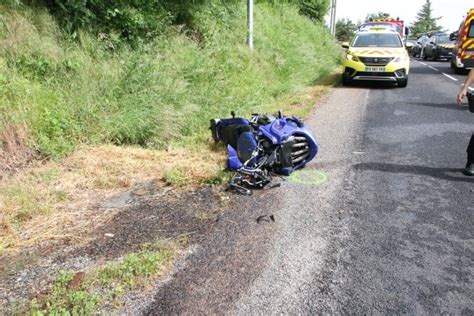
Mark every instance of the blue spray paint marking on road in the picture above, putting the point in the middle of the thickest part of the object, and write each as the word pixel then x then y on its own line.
pixel 308 177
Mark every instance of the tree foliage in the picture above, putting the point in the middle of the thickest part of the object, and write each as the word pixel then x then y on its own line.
pixel 314 9
pixel 345 30
pixel 425 22
pixel 129 19
pixel 375 15
pixel 141 19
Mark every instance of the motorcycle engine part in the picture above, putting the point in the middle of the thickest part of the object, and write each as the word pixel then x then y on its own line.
pixel 285 153
pixel 300 149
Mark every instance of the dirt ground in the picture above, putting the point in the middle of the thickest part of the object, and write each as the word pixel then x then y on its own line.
pixel 154 215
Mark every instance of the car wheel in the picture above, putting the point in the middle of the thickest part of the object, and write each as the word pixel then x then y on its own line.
pixel 425 57
pixel 435 56
pixel 402 83
pixel 460 71
pixel 346 81
pixel 456 69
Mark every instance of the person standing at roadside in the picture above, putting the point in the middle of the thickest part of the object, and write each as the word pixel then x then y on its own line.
pixel 469 170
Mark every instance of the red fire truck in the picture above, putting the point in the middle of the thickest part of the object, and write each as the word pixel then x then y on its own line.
pixel 463 52
pixel 387 23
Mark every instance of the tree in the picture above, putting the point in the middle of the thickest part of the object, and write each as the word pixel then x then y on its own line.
pixel 425 22
pixel 345 30
pixel 314 9
pixel 375 15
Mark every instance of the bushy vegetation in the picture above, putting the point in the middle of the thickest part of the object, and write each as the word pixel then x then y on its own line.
pixel 67 84
pixel 139 19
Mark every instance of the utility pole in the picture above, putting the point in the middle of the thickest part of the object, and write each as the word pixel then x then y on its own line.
pixel 331 16
pixel 250 22
pixel 332 22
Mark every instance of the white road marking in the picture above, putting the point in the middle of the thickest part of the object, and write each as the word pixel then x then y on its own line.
pixel 462 85
pixel 445 74
pixel 450 77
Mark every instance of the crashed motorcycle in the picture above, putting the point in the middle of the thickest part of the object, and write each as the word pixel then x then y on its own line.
pixel 263 146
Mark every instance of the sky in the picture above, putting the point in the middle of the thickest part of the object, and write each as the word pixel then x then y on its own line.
pixel 451 11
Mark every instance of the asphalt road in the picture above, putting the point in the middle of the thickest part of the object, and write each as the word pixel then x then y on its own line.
pixel 391 230
pixel 409 247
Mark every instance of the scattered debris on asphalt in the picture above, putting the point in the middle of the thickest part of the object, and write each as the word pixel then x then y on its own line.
pixel 265 218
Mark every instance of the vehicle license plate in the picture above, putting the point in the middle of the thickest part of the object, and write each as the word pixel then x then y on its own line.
pixel 375 69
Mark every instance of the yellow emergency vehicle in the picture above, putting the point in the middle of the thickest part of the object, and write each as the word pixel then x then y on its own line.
pixel 376 54
pixel 463 52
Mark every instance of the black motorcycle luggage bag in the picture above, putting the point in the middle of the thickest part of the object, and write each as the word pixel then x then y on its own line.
pixel 230 133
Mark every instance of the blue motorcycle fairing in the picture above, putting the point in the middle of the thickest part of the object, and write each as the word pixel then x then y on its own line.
pixel 246 146
pixel 233 161
pixel 281 129
pixel 293 143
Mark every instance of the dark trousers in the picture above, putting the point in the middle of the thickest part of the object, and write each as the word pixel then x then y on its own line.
pixel 470 151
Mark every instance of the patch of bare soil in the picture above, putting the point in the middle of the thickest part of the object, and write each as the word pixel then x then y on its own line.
pixel 46 207
pixel 226 261
pixel 151 215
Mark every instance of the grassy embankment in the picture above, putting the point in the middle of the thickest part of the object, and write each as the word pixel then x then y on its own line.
pixel 73 101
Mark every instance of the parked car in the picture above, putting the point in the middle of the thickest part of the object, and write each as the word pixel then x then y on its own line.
pixel 420 43
pixel 410 44
pixel 439 46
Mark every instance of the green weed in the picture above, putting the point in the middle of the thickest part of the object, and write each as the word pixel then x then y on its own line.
pixel 220 177
pixel 175 177
pixel 103 284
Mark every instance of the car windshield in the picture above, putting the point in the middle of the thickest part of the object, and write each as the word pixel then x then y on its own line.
pixel 444 40
pixel 377 40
